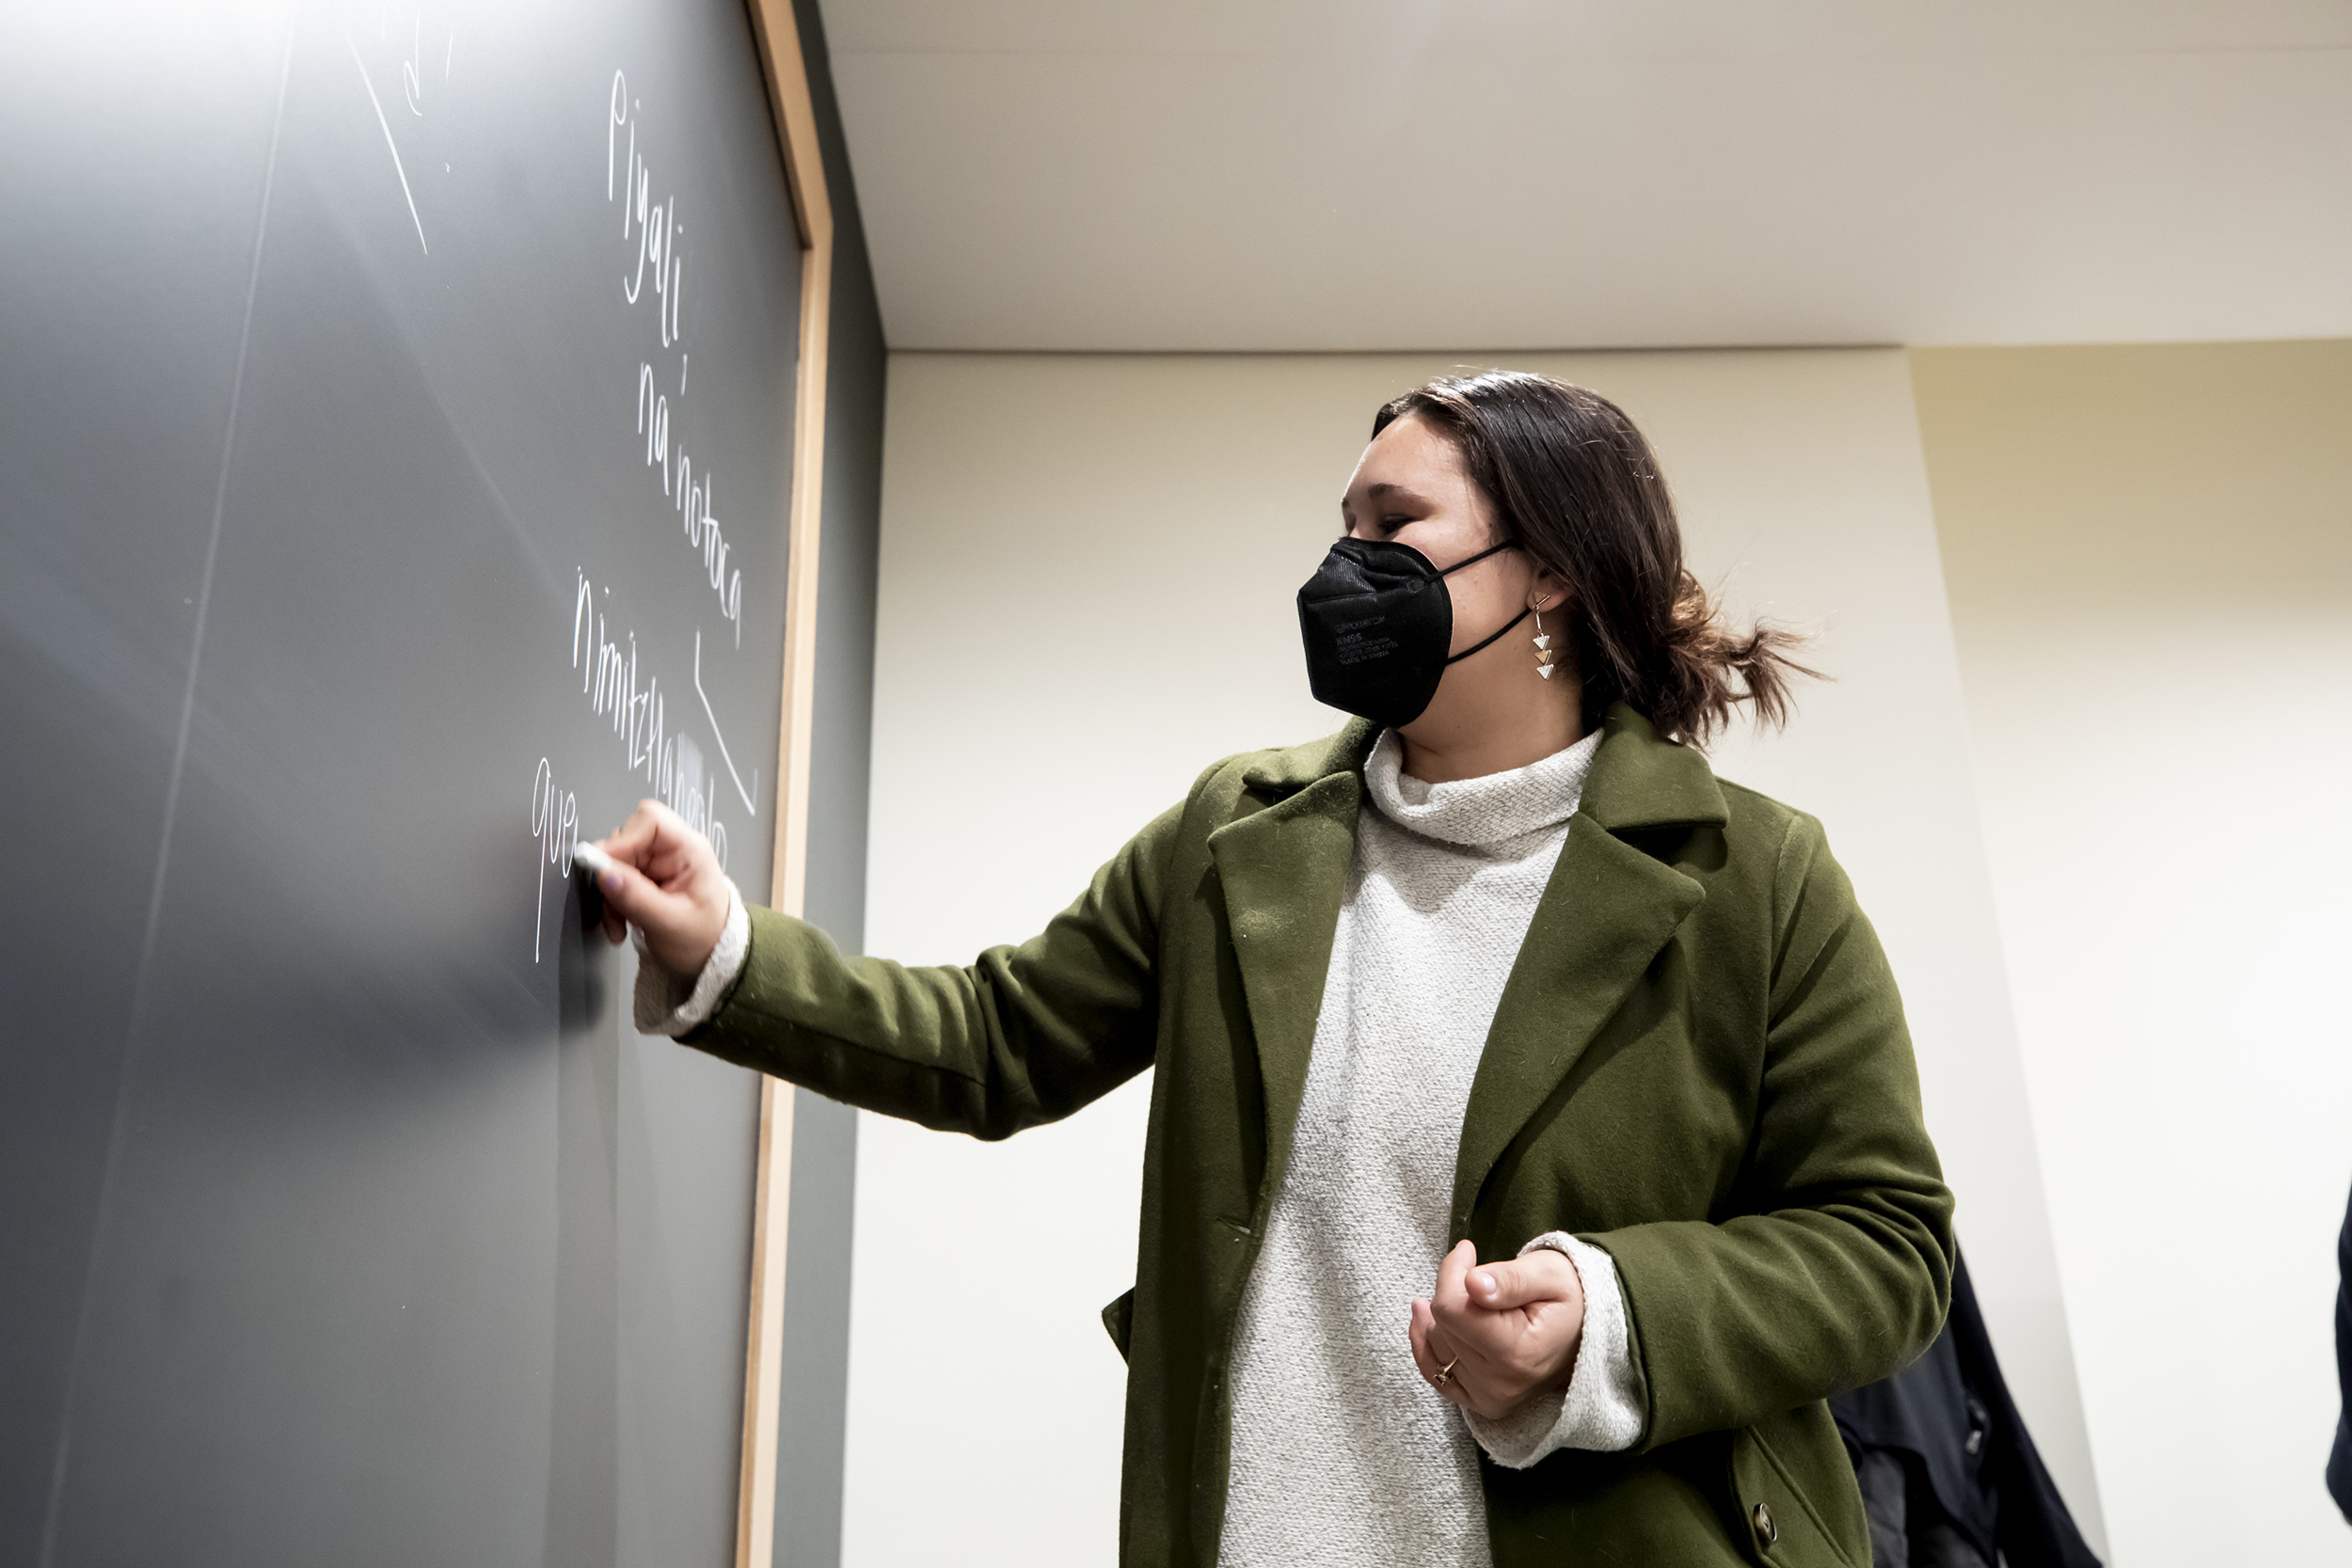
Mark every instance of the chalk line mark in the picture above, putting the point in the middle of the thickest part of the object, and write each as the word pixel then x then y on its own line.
pixel 388 142
pixel 714 731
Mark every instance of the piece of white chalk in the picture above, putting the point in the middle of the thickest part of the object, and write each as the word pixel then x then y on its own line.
pixel 596 859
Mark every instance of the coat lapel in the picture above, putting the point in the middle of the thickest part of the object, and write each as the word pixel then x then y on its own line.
pixel 1607 910
pixel 1284 871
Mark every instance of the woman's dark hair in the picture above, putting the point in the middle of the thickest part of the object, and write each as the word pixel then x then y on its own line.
pixel 1576 486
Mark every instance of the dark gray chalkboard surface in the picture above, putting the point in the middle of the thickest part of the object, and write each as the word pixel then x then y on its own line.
pixel 395 453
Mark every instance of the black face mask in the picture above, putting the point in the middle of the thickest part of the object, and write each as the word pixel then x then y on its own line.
pixel 1378 621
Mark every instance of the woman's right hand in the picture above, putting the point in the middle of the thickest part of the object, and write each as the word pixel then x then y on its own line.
pixel 665 881
pixel 1491 1335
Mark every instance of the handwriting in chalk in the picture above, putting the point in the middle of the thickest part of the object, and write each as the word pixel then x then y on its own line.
pixel 657 277
pixel 701 525
pixel 620 688
pixel 555 828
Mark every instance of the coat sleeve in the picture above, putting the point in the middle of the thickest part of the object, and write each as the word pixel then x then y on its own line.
pixel 1024 1034
pixel 1838 1269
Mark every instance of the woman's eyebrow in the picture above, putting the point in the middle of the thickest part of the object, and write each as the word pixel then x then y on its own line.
pixel 1384 490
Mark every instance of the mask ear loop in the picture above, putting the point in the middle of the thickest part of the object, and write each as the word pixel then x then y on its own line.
pixel 1490 642
pixel 1475 560
pixel 1487 642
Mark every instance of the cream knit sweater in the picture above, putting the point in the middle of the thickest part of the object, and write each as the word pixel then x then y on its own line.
pixel 1342 1454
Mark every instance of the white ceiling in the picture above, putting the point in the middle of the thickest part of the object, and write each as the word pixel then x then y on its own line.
pixel 1370 174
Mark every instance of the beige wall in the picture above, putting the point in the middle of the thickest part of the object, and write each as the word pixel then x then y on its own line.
pixel 1087 580
pixel 2148 551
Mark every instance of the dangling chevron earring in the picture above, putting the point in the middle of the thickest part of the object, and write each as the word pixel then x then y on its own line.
pixel 1543 644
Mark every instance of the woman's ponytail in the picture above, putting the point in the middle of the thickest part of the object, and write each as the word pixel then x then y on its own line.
pixel 1708 669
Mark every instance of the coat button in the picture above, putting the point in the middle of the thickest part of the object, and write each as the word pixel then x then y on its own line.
pixel 1764 1526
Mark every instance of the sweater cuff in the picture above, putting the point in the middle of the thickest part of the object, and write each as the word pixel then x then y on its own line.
pixel 668 1004
pixel 1602 1410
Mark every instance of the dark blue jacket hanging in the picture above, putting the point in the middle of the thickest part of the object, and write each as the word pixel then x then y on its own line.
pixel 1950 1412
pixel 2340 1462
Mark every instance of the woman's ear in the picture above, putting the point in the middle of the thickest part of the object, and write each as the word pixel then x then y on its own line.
pixel 1546 592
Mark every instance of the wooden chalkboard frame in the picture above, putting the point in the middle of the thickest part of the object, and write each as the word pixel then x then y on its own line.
pixel 777 31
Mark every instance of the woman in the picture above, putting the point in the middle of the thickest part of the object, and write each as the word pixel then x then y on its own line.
pixel 1531 1148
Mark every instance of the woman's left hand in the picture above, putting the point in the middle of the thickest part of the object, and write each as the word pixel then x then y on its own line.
pixel 1505 1329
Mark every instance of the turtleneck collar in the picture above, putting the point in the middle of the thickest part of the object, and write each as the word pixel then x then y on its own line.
pixel 1482 811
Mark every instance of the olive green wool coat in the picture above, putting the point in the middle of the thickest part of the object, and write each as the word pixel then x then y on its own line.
pixel 1699 1065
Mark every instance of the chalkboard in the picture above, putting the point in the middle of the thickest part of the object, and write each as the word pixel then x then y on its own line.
pixel 398 417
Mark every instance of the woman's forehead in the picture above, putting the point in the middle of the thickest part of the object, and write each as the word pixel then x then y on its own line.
pixel 1410 459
